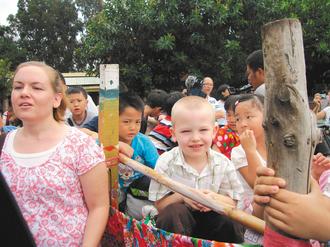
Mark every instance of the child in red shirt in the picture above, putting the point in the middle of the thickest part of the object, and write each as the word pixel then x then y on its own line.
pixel 226 138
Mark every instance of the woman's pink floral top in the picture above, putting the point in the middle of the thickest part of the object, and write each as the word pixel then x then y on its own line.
pixel 50 195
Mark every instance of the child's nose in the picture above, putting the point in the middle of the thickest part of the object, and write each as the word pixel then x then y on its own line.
pixel 195 135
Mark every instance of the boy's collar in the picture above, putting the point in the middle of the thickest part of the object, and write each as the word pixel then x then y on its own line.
pixel 180 161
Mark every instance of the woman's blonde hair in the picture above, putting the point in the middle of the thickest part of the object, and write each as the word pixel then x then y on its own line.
pixel 55 81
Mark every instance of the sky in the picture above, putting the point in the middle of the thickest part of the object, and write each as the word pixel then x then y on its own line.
pixel 7 7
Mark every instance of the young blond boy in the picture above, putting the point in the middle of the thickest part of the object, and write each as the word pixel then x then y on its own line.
pixel 195 164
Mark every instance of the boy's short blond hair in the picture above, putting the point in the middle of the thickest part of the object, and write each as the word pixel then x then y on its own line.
pixel 191 103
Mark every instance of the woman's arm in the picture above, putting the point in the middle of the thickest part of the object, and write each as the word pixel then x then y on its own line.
pixel 96 193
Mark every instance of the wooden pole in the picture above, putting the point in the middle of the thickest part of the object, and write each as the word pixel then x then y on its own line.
pixel 215 203
pixel 109 121
pixel 290 127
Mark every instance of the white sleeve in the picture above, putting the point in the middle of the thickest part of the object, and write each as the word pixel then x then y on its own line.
pixel 238 157
pixel 157 190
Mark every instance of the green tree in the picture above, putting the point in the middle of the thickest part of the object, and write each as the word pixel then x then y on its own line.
pixel 47 30
pixel 155 41
pixel 89 8
pixel 5 75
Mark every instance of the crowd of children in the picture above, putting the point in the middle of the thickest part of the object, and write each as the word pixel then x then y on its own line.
pixel 57 173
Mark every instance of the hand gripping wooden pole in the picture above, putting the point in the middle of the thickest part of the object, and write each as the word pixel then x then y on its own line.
pixel 213 203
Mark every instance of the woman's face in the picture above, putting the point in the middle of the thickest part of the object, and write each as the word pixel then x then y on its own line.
pixel 33 97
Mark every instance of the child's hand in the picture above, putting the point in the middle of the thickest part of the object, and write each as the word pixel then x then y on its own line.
pixel 248 141
pixel 126 149
pixel 113 161
pixel 266 185
pixel 195 205
pixel 220 198
pixel 320 164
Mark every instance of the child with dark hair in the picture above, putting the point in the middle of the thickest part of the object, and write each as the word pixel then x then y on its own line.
pixel 90 103
pixel 134 185
pixel 161 135
pixel 77 102
pixel 251 153
pixel 153 107
pixel 227 138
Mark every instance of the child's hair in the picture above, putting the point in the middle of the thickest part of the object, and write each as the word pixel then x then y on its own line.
pixel 55 81
pixel 230 102
pixel 191 103
pixel 256 100
pixel 76 90
pixel 128 99
pixel 255 60
pixel 156 98
pixel 222 88
pixel 172 98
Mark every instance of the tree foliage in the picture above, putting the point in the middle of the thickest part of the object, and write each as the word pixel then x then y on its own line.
pixel 47 30
pixel 156 41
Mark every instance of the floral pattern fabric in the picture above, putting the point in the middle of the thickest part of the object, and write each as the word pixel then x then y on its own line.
pixel 50 195
pixel 126 231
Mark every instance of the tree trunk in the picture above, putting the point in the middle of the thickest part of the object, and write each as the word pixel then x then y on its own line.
pixel 290 127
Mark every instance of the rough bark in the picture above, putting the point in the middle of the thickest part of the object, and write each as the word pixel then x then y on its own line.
pixel 290 127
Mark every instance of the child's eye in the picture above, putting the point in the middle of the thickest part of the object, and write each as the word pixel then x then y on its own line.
pixel 185 131
pixel 203 130
pixel 138 122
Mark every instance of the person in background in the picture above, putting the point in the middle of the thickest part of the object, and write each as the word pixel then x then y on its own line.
pixel 219 110
pixel 227 138
pixel 153 108
pixel 77 102
pixel 222 93
pixel 90 103
pixel 196 165
pixel 56 173
pixel 161 135
pixel 255 72
pixel 134 185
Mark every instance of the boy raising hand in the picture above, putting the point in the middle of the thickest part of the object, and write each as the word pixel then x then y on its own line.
pixel 195 164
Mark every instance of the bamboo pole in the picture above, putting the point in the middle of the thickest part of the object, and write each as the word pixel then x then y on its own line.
pixel 215 203
pixel 290 127
pixel 109 122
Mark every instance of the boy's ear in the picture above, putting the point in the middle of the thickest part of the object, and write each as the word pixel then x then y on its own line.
pixel 173 134
pixel 215 130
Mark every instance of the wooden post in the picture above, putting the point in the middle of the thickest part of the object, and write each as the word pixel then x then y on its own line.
pixel 109 121
pixel 290 127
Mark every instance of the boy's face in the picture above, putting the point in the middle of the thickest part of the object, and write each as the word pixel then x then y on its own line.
pixel 231 121
pixel 194 130
pixel 77 103
pixel 129 124
pixel 249 116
